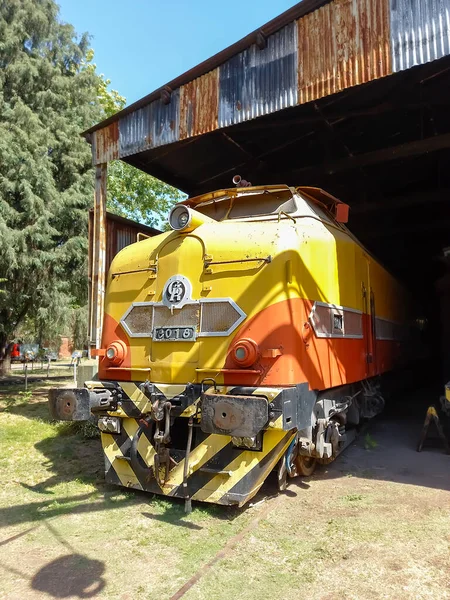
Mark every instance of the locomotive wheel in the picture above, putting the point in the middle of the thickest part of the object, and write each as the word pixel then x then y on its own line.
pixel 305 465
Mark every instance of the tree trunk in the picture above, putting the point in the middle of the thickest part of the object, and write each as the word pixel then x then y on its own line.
pixel 5 355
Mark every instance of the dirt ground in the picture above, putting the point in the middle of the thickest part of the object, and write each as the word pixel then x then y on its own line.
pixel 374 524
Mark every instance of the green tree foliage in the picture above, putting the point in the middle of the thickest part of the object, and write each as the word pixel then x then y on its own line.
pixel 47 97
pixel 49 93
pixel 131 192
pixel 138 196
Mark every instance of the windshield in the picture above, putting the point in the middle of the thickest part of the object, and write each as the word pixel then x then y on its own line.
pixel 253 204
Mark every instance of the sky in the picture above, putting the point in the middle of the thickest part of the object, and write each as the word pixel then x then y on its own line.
pixel 141 45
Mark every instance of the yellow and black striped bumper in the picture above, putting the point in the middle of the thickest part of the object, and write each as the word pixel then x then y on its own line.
pixel 218 472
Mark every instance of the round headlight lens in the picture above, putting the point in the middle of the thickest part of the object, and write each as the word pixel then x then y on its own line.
pixel 116 352
pixel 110 353
pixel 179 217
pixel 240 353
pixel 245 352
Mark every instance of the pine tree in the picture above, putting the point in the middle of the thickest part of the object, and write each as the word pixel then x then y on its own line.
pixel 47 97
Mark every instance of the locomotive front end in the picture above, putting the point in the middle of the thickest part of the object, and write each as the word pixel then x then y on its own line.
pixel 195 390
pixel 243 341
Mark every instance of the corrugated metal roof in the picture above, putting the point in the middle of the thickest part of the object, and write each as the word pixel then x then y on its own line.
pixel 302 8
pixel 258 81
pixel 198 105
pixel 420 31
pixel 154 125
pixel 105 145
pixel 343 44
pixel 325 48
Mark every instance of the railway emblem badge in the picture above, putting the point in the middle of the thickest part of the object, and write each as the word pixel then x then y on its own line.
pixel 177 291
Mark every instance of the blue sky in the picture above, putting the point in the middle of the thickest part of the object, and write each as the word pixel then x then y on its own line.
pixel 143 44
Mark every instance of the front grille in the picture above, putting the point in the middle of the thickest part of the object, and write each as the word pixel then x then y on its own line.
pixel 187 316
pixel 139 320
pixel 208 317
pixel 218 317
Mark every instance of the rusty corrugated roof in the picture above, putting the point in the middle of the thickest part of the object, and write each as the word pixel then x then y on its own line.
pixel 256 37
pixel 315 49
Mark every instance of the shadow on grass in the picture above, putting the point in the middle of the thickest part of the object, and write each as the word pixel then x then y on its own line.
pixel 71 575
pixel 80 504
pixel 70 458
pixel 67 576
pixel 172 516
pixel 68 455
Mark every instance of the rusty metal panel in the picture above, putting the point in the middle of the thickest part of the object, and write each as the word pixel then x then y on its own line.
pixel 125 237
pixel 420 32
pixel 105 146
pixel 199 105
pixel 121 232
pixel 156 124
pixel 258 81
pixel 342 44
pixel 98 253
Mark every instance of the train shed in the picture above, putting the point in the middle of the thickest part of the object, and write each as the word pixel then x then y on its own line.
pixel 348 95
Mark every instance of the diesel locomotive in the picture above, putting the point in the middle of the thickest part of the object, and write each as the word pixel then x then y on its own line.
pixel 248 339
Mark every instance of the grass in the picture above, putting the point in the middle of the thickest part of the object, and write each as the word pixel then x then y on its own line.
pixel 64 533
pixel 53 489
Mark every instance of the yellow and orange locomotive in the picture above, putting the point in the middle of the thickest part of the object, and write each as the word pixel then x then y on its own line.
pixel 247 339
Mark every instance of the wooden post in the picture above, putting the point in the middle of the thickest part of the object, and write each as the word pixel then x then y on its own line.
pixel 97 256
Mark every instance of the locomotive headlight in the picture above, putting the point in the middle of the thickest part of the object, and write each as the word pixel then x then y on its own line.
pixel 245 352
pixel 116 352
pixel 183 218
pixel 179 217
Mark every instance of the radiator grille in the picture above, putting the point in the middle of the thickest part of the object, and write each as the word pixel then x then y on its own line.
pixel 321 320
pixel 353 323
pixel 188 316
pixel 139 320
pixel 330 321
pixel 208 318
pixel 218 317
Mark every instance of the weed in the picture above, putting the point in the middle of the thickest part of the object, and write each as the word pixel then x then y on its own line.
pixel 84 429
pixel 353 497
pixel 369 442
pixel 9 401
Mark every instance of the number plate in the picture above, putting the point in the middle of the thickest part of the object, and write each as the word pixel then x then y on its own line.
pixel 172 334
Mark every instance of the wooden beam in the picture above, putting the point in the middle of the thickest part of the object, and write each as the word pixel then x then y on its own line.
pixel 416 148
pixel 98 256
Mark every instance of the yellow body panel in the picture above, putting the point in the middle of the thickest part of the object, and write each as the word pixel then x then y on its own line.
pixel 323 261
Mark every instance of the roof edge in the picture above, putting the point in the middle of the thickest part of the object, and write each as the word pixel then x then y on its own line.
pixel 295 12
pixel 119 219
